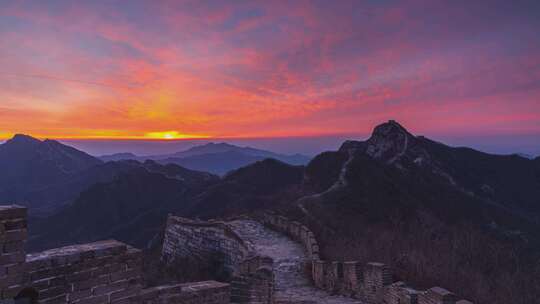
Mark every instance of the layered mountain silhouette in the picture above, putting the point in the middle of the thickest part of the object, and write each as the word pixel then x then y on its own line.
pixel 430 210
pixel 393 173
pixel 133 207
pixel 216 158
pixel 47 175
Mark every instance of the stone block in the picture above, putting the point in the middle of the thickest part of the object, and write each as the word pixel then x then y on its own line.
pixel 9 212
pixel 437 295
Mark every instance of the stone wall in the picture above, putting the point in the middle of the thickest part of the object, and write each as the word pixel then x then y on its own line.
pixel 204 241
pixel 13 235
pixel 206 292
pixel 110 271
pixel 251 276
pixel 254 282
pixel 100 272
pixel 370 282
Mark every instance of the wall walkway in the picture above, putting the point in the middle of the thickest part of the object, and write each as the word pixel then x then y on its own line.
pixel 291 265
pixel 370 282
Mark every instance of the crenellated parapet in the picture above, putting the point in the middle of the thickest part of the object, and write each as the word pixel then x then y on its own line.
pixel 101 272
pixel 370 282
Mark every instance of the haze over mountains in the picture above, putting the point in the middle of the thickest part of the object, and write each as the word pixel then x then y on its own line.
pixel 217 158
pixel 46 175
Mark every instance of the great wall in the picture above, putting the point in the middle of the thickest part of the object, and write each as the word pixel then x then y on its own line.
pixel 267 258
pixel 101 272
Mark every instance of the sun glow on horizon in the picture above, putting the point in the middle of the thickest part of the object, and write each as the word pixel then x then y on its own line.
pixel 165 135
pixel 169 135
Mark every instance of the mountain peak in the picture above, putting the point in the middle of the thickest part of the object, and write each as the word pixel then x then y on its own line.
pixel 389 128
pixel 21 141
pixel 389 141
pixel 23 138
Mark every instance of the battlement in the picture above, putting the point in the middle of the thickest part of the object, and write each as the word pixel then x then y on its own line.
pixel 101 272
pixel 371 282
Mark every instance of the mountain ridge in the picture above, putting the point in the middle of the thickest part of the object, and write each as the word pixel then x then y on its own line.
pixel 216 158
pixel 30 165
pixel 397 198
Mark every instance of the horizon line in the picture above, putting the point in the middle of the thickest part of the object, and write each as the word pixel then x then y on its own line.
pixel 146 138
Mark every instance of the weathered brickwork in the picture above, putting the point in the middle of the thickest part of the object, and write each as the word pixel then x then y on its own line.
pixel 206 292
pixel 254 282
pixel 204 241
pixel 100 272
pixel 371 282
pixel 214 241
pixel 12 261
pixel 398 292
pixel 436 295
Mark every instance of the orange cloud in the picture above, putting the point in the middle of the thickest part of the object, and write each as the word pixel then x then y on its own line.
pixel 262 69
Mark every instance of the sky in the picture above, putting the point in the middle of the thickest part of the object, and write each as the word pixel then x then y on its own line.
pixel 464 71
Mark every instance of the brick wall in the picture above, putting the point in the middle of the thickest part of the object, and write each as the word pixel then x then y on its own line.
pixel 254 282
pixel 206 292
pixel 370 282
pixel 251 275
pixel 12 259
pixel 204 241
pixel 101 272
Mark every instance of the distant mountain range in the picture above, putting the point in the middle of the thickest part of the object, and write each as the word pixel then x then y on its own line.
pixel 46 175
pixel 393 172
pixel 217 158
pixel 134 206
pixel 429 208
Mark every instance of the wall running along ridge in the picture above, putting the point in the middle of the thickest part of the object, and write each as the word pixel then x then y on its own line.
pixel 110 271
pixel 101 272
pixel 252 277
pixel 370 282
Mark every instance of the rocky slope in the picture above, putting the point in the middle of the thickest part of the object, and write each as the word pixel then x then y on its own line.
pixel 454 183
pixel 455 217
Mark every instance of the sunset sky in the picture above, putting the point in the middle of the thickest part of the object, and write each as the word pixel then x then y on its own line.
pixel 236 69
